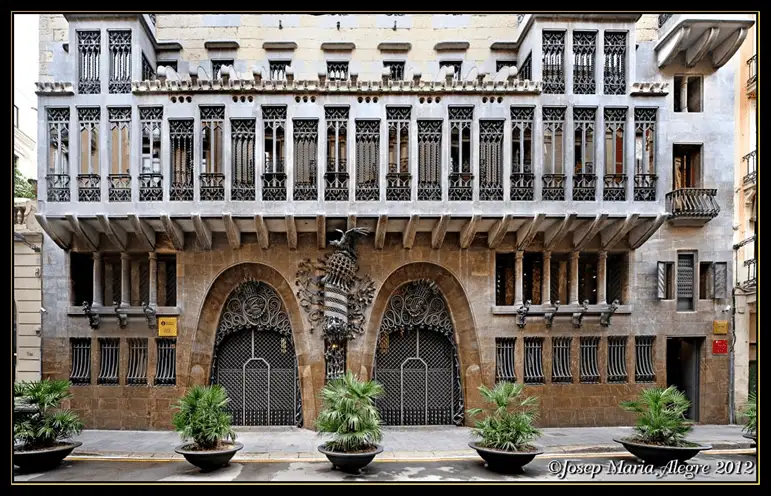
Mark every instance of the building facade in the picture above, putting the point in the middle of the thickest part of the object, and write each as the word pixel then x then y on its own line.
pixel 745 222
pixel 27 290
pixel 263 201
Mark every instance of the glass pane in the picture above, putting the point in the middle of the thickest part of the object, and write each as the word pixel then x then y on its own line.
pixel 466 148
pixel 528 151
pixel 217 149
pixel 404 152
pixel 280 149
pixel 649 148
pixel 206 158
pixel 455 150
pixel 619 151
pixel 638 152
pixel 548 160
pixel 342 150
pixel 589 152
pixel 53 147
pixel 559 156
pixel 115 150
pixel 84 151
pixel 95 150
pixel 609 160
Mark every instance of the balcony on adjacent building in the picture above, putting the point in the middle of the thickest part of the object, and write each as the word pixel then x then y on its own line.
pixel 749 278
pixel 696 37
pixel 752 76
pixel 692 206
pixel 750 179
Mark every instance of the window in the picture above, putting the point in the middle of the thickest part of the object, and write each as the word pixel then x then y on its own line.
pixel 148 73
pixel 429 160
pixel 583 140
pixel 306 133
pixel 587 278
pixel 505 360
pixel 212 177
pixel 526 71
pixel 500 64
pixel 491 160
pixel 181 161
pixel 686 163
pixel 643 363
pixel 522 139
pixel 15 116
pixel 617 274
pixel 81 278
pixel 615 63
pixel 151 119
pixel 88 176
pixel 552 67
pixel 396 70
pixel 688 93
pixel 461 179
pixel 532 264
pixel 120 61
pixel 645 154
pixel 166 362
pixel 713 280
pixel 89 48
pixel 504 279
pixel 685 277
pixel 617 359
pixel 167 280
pixel 336 177
pixel 456 66
pixel 217 65
pixel 615 123
pixel 120 140
pixel 337 71
pixel 666 280
pixel 367 160
pixel 242 135
pixel 274 179
pixel 277 69
pixel 59 144
pixel 560 370
pixel 109 360
pixel 584 48
pixel 137 361
pixel 171 64
pixel 112 277
pixel 534 360
pixel 553 140
pixel 80 358
pixel 589 361
pixel 398 180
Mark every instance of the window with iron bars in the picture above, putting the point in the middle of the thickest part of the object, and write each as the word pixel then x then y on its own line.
pixel 337 71
pixel 396 69
pixel 277 69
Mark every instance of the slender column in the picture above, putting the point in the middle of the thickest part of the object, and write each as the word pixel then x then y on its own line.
pixel 602 265
pixel 546 279
pixel 574 278
pixel 98 298
pixel 125 280
pixel 518 296
pixel 684 95
pixel 153 282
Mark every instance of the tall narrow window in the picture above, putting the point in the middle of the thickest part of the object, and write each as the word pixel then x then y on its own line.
pixel 274 174
pixel 166 362
pixel 584 177
pixel 395 69
pixel 614 81
pixel 306 135
pixel 242 134
pixel 336 176
pixel 553 153
pixel 89 48
pixel 217 65
pixel 367 160
pixel 504 279
pixel 148 72
pixel 617 359
pixel 526 70
pixel 212 177
pixel 534 360
pixel 522 178
pixel 645 154
pixel 120 61
pixel 80 357
pixel 430 160
pixel 461 178
pixel 686 164
pixel 614 186
pixel 685 277
pixel 88 176
pixel 560 351
pixel 456 66
pixel 277 69
pixel 587 278
pixel 505 358
pixel 398 180
pixel 109 361
pixel 58 177
pixel 181 138
pixel 584 48
pixel 337 71
pixel 491 160
pixel 150 177
pixel 532 264
pixel 553 62
pixel 120 154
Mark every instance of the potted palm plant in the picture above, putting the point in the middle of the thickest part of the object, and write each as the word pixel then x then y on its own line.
pixel 202 419
pixel 750 413
pixel 350 417
pixel 42 431
pixel 661 427
pixel 505 434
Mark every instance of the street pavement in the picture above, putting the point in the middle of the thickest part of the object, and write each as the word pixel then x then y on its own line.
pixel 720 466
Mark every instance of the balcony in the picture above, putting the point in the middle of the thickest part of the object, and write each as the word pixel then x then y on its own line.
pixel 749 279
pixel 690 38
pixel 752 76
pixel 692 206
pixel 750 180
pixel 58 186
pixel 584 187
pixel 212 186
pixel 614 187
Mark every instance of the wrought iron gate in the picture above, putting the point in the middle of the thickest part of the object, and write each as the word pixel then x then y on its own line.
pixel 417 360
pixel 254 358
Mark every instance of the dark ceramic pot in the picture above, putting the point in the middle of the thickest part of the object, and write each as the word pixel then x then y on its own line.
pixel 209 460
pixel 350 463
pixel 42 460
pixel 661 455
pixel 753 438
pixel 505 461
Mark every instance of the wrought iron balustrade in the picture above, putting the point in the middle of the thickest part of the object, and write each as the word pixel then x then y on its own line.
pixel 645 187
pixel 58 186
pixel 752 67
pixel 752 273
pixel 151 187
pixel 398 185
pixel 751 160
pixel 336 186
pixel 243 190
pixel 553 187
pixel 461 186
pixel 307 190
pixel 584 187
pixel 692 202
pixel 522 186
pixel 274 185
pixel 744 242
pixel 663 18
pixel 212 186
pixel 614 187
pixel 119 187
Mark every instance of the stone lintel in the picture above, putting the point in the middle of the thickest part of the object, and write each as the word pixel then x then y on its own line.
pixel 279 45
pixel 338 46
pixel 221 45
pixel 504 46
pixel 452 46
pixel 168 46
pixel 394 46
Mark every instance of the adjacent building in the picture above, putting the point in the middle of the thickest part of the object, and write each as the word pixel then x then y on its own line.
pixel 434 201
pixel 27 292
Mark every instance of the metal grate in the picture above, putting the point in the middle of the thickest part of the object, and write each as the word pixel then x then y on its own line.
pixel 120 61
pixel 534 360
pixel 89 48
pixel 58 177
pixel 148 73
pixel 367 160
pixel 505 353
pixel 88 177
pixel 306 133
pixel 336 176
pixel 119 180
pixel 274 175
pixel 109 361
pixel 181 140
pixel 615 63
pixel 643 365
pixel 617 359
pixel 685 276
pixel 584 48
pixel 430 160
pixel 396 70
pixel 526 71
pixel 212 179
pixel 80 355
pixel 553 71
pixel 589 363
pixel 150 178
pixel 337 71
pixel 584 177
pixel 398 179
pixel 166 362
pixel 461 141
pixel 243 136
pixel 137 361
pixel 491 160
pixel 277 69
pixel 560 369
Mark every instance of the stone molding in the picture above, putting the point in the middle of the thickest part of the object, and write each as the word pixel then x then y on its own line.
pixel 54 88
pixel 504 46
pixel 279 45
pixel 338 46
pixel 221 45
pixel 452 46
pixel 391 46
pixel 649 89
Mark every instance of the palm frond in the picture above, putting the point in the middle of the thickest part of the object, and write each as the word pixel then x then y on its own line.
pixel 48 424
pixel 201 416
pixel 660 416
pixel 510 425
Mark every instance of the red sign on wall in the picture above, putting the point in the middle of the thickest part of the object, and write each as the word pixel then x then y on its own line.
pixel 719 347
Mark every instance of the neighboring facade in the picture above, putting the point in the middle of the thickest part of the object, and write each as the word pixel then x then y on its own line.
pixel 483 255
pixel 27 293
pixel 745 222
pixel 25 71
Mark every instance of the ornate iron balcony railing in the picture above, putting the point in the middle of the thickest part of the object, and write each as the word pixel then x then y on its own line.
pixel 461 186
pixel 752 66
pixel 614 187
pixel 212 186
pixel 645 187
pixel 692 202
pixel 336 186
pixel 553 187
pixel 58 187
pixel 398 185
pixel 274 185
pixel 752 273
pixel 119 187
pixel 752 168
pixel 522 186
pixel 151 187
pixel 584 187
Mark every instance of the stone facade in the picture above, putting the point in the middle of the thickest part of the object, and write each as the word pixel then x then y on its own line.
pixel 27 290
pixel 221 243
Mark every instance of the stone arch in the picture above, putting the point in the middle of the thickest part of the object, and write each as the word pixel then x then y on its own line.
pixel 204 338
pixel 460 314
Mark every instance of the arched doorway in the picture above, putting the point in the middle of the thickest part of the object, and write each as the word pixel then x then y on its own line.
pixel 417 359
pixel 254 358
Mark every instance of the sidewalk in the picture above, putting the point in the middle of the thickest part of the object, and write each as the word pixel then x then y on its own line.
pixel 402 443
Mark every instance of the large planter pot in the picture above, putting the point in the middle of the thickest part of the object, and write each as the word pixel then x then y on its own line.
pixel 751 437
pixel 505 461
pixel 45 459
pixel 208 460
pixel 661 455
pixel 350 463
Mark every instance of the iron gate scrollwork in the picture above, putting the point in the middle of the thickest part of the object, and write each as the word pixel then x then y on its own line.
pixel 417 359
pixel 254 358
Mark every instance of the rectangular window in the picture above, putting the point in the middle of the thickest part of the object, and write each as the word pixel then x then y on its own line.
pixel 522 178
pixel 120 61
pixel 616 277
pixel 109 361
pixel 112 277
pixel 584 48
pixel 212 176
pixel 148 73
pixel 615 63
pixel 666 280
pixel 584 175
pixel 120 141
pixel 278 69
pixel 645 154
pixel 532 263
pixel 88 174
pixel 217 65
pixel 534 360
pixel 461 178
pixel 81 278
pixel 337 71
pixel 336 176
pixel 504 279
pixel 617 359
pixel 367 160
pixel 713 280
pixel 505 360
pixel 552 66
pixel 58 177
pixel 167 280
pixel 274 177
pixel 560 371
pixel 491 160
pixel 398 180
pixel 181 160
pixel 306 135
pixel 643 364
pixel 686 163
pixel 80 358
pixel 688 93
pixel 150 178
pixel 89 48
pixel 615 172
pixel 430 160
pixel 166 362
pixel 396 70
pixel 456 66
pixel 589 359
pixel 553 140
pixel 243 139
pixel 587 278
pixel 137 362
pixel 685 279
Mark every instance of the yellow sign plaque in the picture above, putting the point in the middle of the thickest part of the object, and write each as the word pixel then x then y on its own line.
pixel 167 327
pixel 720 327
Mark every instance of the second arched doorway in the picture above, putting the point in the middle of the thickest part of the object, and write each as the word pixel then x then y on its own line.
pixel 416 359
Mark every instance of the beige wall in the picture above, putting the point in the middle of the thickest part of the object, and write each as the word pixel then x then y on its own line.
pixel 27 272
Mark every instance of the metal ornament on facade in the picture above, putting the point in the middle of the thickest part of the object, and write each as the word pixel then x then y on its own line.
pixel 335 297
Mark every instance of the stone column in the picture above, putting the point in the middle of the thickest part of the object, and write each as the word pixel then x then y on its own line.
pixel 125 280
pixel 684 95
pixel 546 279
pixel 602 285
pixel 153 282
pixel 518 278
pixel 574 278
pixel 98 298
